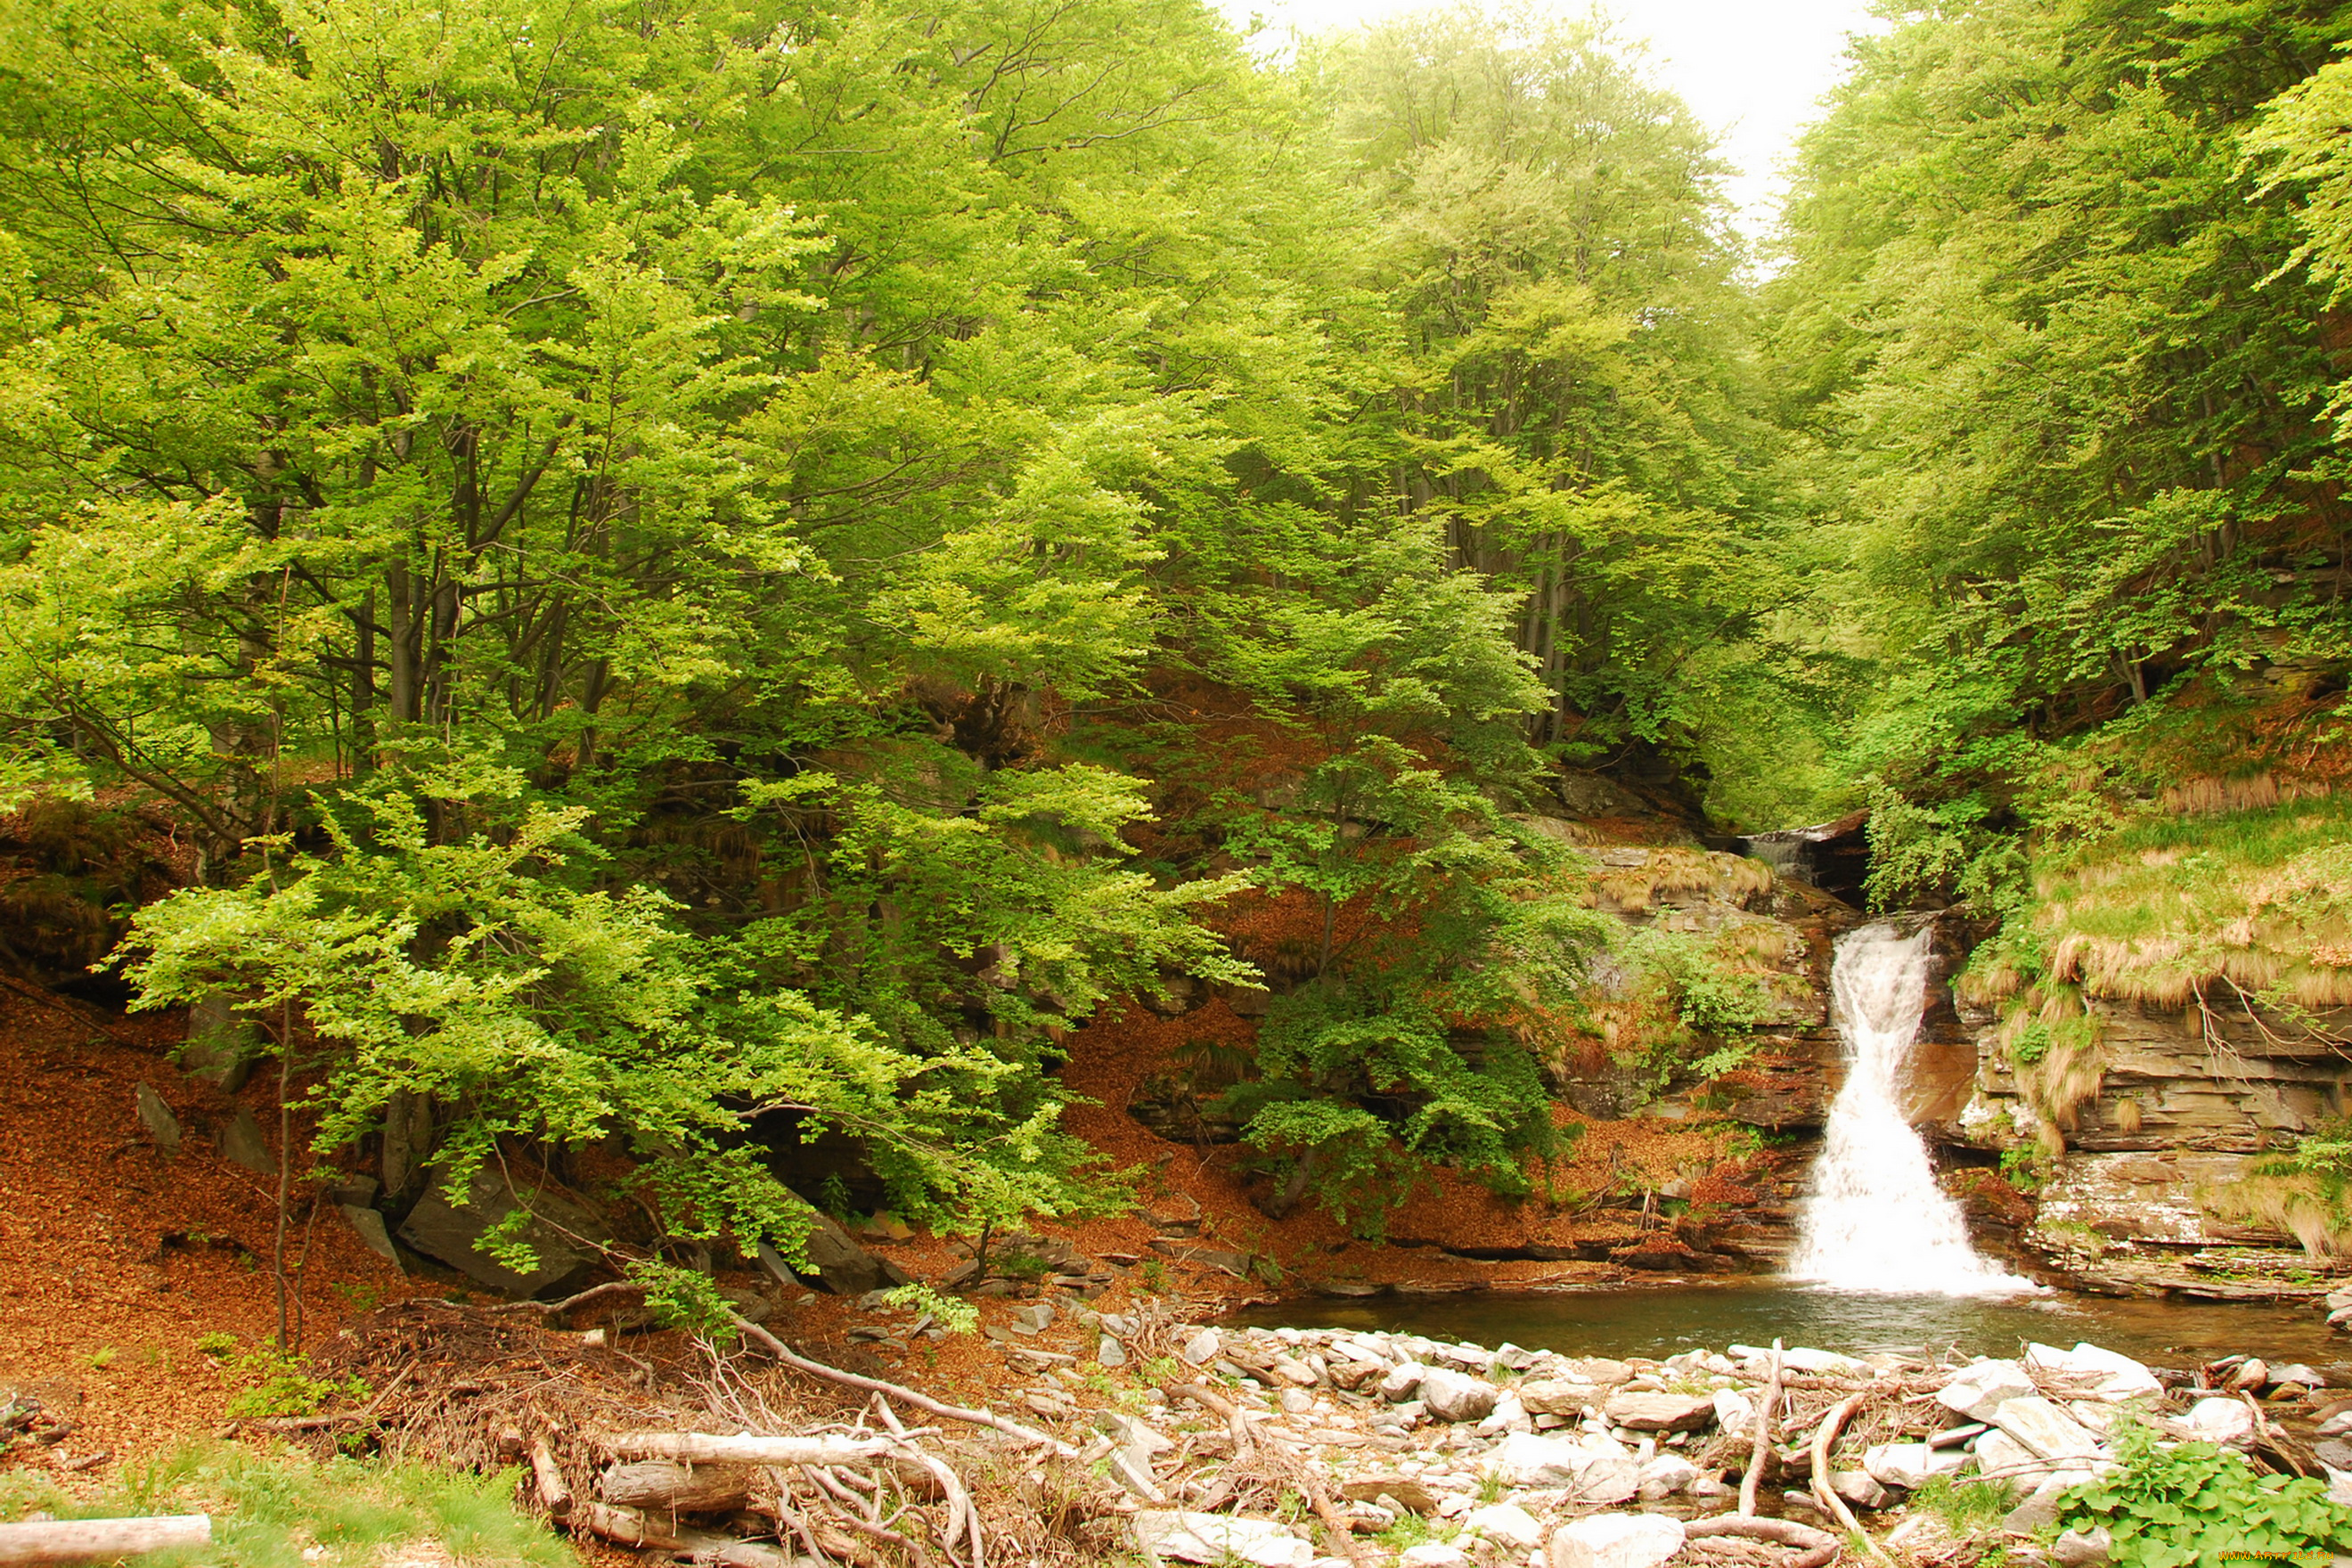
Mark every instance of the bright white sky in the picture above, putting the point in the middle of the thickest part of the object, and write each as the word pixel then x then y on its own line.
pixel 1754 70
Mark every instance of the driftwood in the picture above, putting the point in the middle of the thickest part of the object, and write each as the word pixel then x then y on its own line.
pixel 81 1539
pixel 1823 1493
pixel 1243 1441
pixel 1819 1546
pixel 667 1486
pixel 817 1369
pixel 1763 1440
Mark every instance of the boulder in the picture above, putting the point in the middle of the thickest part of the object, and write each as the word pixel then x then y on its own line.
pixel 1663 1476
pixel 1218 1538
pixel 1505 1522
pixel 1734 1411
pixel 2044 1428
pixel 1202 1348
pixel 372 1232
pixel 1909 1464
pixel 1821 1363
pixel 844 1267
pixel 446 1232
pixel 2040 1510
pixel 1434 1554
pixel 157 1117
pixel 1660 1412
pixel 241 1144
pixel 1598 1370
pixel 2219 1420
pixel 1607 1481
pixel 1400 1382
pixel 1524 1459
pixel 1554 1397
pixel 1292 1371
pixel 1402 1489
pixel 2082 1548
pixel 1858 1488
pixel 1615 1541
pixel 2297 1373
pixel 1978 1388
pixel 2002 1456
pixel 1449 1396
pixel 2105 1374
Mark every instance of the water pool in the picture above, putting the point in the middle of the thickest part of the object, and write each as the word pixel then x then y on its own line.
pixel 1663 1320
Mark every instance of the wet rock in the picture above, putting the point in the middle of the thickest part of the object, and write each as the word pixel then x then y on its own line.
pixel 1218 1538
pixel 1506 1523
pixel 1976 1391
pixel 1452 1395
pixel 1615 1541
pixel 446 1232
pixel 157 1117
pixel 1660 1412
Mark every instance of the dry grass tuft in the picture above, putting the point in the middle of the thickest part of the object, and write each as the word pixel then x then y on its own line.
pixel 2290 1204
pixel 1635 889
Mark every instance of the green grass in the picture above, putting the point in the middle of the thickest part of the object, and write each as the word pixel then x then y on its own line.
pixel 2164 910
pixel 1966 1505
pixel 270 1507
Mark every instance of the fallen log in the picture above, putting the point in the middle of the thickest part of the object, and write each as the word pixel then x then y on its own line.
pixel 627 1527
pixel 1819 1546
pixel 715 1448
pixel 80 1540
pixel 667 1486
pixel 547 1477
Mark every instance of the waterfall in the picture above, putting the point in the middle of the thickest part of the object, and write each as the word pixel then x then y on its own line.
pixel 1875 1220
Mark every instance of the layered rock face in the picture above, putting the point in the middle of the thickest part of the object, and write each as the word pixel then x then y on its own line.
pixel 2186 1104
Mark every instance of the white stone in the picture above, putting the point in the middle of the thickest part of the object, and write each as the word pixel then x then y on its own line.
pixel 1506 1522
pixel 2109 1374
pixel 2336 1425
pixel 2219 1420
pixel 1555 1396
pixel 2339 1487
pixel 2044 1428
pixel 1397 1384
pixel 1295 1400
pixel 2040 1509
pixel 1823 1364
pixel 1453 1396
pixel 1858 1488
pixel 1977 1390
pixel 1202 1348
pixel 1660 1412
pixel 1615 1541
pixel 1524 1459
pixel 1664 1476
pixel 1734 1411
pixel 1608 1480
pixel 1909 1464
pixel 1290 1369
pixel 1434 1554
pixel 2082 1548
pixel 2001 1455
pixel 1215 1537
pixel 2297 1372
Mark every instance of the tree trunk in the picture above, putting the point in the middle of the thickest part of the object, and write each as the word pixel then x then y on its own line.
pixel 82 1539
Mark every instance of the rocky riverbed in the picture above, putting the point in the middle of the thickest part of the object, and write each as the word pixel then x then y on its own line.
pixel 1440 1454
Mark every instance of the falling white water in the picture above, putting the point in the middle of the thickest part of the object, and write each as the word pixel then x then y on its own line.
pixel 1875 1220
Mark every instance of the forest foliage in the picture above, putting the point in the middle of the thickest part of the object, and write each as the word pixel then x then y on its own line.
pixel 685 565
